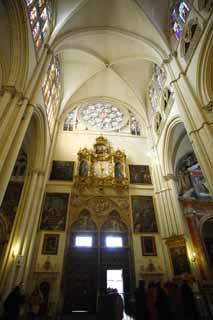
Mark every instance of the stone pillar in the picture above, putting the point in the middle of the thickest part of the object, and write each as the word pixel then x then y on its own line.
pixel 14 150
pixel 194 120
pixel 7 93
pixel 10 126
pixel 193 225
pixel 29 222
pixel 24 231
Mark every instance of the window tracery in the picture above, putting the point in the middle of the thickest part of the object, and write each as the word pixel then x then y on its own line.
pixel 102 116
pixel 39 17
pixel 156 86
pixel 179 13
pixel 51 89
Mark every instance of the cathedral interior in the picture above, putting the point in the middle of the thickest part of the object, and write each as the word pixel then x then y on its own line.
pixel 106 147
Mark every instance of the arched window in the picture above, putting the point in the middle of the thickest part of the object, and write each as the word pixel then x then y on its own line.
pixel 156 85
pixel 51 89
pixel 39 15
pixel 178 15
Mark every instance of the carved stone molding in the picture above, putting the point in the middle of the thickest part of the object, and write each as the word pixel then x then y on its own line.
pixel 100 205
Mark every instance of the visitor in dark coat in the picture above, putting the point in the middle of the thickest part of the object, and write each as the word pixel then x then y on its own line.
pixel 141 311
pixel 189 306
pixel 12 304
pixel 162 303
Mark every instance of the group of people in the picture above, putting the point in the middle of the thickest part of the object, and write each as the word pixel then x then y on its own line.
pixel 172 301
pixel 110 306
pixel 18 306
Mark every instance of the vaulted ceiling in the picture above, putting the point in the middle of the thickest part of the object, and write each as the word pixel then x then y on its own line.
pixel 107 48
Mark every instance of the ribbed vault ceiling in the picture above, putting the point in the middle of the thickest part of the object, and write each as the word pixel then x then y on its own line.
pixel 107 48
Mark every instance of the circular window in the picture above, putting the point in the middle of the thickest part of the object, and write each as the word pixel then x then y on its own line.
pixel 102 116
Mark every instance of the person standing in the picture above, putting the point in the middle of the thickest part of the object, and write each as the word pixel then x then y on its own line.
pixel 12 304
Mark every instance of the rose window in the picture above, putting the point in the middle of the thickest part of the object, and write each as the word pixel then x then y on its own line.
pixel 103 116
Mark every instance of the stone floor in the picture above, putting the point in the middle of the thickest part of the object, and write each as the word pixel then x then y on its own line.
pixel 86 316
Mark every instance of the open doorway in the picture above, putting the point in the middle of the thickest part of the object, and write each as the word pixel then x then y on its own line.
pixel 115 280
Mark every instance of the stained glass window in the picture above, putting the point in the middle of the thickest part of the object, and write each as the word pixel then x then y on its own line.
pixel 134 125
pixel 51 89
pixel 39 16
pixel 102 116
pixel 179 13
pixel 156 85
pixel 70 121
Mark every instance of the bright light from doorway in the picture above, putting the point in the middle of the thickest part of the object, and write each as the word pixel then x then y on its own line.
pixel 81 241
pixel 114 242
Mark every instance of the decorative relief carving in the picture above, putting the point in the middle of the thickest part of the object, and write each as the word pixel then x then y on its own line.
pixel 100 205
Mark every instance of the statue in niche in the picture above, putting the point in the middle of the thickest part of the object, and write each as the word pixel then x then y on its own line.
pixel 157 122
pixel 83 169
pixel 166 96
pixel 119 170
pixel 191 182
pixel 113 223
pixel 189 34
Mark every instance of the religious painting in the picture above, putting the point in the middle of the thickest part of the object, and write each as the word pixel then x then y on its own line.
pixel 143 214
pixel 84 222
pixel 54 212
pixel 62 170
pixel 50 244
pixel 148 246
pixel 139 174
pixel 180 260
pixel 10 202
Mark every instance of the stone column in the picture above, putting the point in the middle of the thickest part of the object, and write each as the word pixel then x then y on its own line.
pixel 29 222
pixel 7 93
pixel 10 126
pixel 24 232
pixel 193 119
pixel 14 150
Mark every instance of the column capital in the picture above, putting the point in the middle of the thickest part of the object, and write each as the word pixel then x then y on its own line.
pixel 11 89
pixel 170 176
pixel 208 107
pixel 36 171
pixel 170 57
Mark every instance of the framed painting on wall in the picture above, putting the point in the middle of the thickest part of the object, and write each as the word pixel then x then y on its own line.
pixel 178 254
pixel 139 174
pixel 143 214
pixel 148 246
pixel 50 244
pixel 179 260
pixel 62 170
pixel 54 211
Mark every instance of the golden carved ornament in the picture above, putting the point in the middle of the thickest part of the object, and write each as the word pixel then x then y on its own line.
pixel 176 241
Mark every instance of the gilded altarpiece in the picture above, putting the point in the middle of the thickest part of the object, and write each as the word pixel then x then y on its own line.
pixel 99 205
pixel 101 185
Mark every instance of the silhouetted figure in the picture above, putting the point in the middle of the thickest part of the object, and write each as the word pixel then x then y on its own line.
pixel 117 305
pixel 162 303
pixel 141 310
pixel 12 304
pixel 151 301
pixel 189 306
